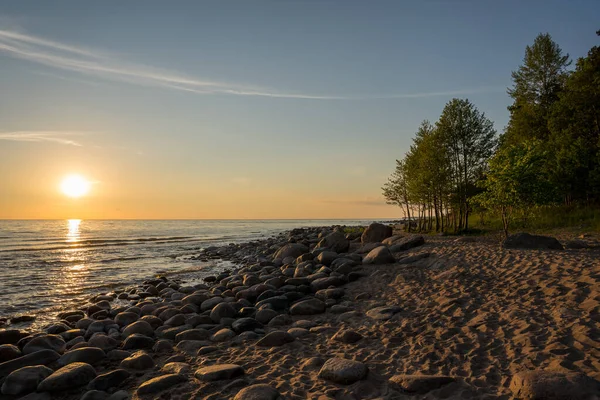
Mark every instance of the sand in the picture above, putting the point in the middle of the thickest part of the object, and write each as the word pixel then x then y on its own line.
pixel 471 311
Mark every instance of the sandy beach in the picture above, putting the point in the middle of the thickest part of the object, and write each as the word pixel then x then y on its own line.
pixel 470 318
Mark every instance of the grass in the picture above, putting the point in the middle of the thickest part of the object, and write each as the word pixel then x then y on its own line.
pixel 544 219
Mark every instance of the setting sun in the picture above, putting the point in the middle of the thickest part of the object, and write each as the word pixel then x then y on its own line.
pixel 75 186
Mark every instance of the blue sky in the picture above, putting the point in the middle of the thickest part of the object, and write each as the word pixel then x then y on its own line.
pixel 238 109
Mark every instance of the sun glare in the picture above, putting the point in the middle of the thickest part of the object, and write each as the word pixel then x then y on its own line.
pixel 75 186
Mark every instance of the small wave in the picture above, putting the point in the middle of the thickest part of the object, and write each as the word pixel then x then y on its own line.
pixel 107 243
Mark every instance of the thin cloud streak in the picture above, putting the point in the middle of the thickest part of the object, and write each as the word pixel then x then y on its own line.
pixel 40 136
pixel 98 64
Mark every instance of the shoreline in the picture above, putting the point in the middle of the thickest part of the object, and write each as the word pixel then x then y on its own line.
pixel 304 321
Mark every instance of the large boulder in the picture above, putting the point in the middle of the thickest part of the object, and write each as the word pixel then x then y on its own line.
pixel 109 380
pixel 9 352
pixel 260 391
pixel 89 355
pixel 291 250
pixel 71 376
pixel 308 307
pixel 376 232
pixel 219 372
pixel 343 371
pixel 45 342
pixel 379 255
pixel 552 385
pixel 275 338
pixel 526 241
pixel 407 243
pixel 420 384
pixel 25 380
pixel 335 241
pixel 42 357
pixel 160 383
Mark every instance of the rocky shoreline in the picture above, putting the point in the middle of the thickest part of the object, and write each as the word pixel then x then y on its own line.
pixel 289 322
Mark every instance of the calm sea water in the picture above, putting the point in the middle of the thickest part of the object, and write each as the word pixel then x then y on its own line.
pixel 47 266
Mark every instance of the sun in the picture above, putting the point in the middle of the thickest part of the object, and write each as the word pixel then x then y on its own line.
pixel 75 186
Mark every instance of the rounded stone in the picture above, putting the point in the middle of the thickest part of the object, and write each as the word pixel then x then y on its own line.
pixel 343 371
pixel 73 375
pixel 219 372
pixel 25 380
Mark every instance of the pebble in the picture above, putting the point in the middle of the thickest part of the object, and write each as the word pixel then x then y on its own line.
pixel 219 372
pixel 160 383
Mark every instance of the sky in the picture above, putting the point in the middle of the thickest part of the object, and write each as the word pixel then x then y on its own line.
pixel 245 109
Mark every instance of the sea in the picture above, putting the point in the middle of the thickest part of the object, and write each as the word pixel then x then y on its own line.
pixel 48 266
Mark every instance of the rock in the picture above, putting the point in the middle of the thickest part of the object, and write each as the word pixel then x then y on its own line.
pixel 126 318
pixel 109 380
pixel 347 336
pixel 103 342
pixel 176 320
pixel 391 240
pixel 246 324
pixel 291 250
pixel 192 334
pixel 9 352
pixel 308 307
pixel 298 332
pixel 190 347
pixel 176 368
pixel 275 338
pixel 37 396
pixel 576 244
pixel 326 257
pixel 407 243
pixel 265 315
pixel 119 395
pixel 89 355
pixel 68 377
pixel 526 241
pixel 72 334
pixel 280 320
pixel 376 232
pixel 222 310
pixel 324 283
pixel 45 342
pixel 160 383
pixel 343 371
pixel 383 313
pixel 137 342
pixel 219 372
pixel 258 392
pixel 334 293
pixel 222 335
pixel 138 360
pixel 94 395
pixel 42 357
pixel 552 385
pixel 379 255
pixel 336 242
pixel 162 346
pixel 25 380
pixel 11 336
pixel 420 384
pixel 141 327
pixel 210 303
pixel 117 355
pixel 207 350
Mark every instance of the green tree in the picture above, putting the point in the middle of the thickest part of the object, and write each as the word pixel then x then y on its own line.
pixel 515 181
pixel 574 123
pixel 469 139
pixel 536 86
pixel 395 190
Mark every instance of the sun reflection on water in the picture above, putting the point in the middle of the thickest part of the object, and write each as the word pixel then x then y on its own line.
pixel 73 235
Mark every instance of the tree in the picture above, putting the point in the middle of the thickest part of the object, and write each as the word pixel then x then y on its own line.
pixel 469 139
pixel 395 190
pixel 574 123
pixel 515 181
pixel 536 86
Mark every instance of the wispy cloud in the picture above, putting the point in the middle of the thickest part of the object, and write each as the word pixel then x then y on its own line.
pixel 106 66
pixel 41 136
